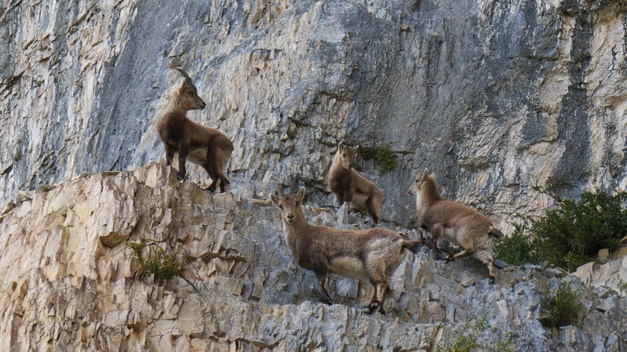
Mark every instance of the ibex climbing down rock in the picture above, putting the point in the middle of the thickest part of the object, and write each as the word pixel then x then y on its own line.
pixel 349 186
pixel 459 224
pixel 202 145
pixel 361 254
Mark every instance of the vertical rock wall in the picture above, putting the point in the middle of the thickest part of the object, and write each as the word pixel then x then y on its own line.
pixel 495 97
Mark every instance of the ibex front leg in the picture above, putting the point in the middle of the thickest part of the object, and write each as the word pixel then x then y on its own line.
pixel 183 151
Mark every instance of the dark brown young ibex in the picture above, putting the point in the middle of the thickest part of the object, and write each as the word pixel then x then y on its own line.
pixel 349 186
pixel 201 145
pixel 361 254
pixel 459 224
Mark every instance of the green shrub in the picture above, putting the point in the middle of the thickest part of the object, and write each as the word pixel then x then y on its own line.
pixel 559 308
pixel 385 157
pixel 516 249
pixel 156 261
pixel 571 234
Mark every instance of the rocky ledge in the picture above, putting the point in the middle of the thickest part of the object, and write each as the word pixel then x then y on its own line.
pixel 71 282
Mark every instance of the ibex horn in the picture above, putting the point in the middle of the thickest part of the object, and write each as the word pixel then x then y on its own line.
pixel 293 184
pixel 188 79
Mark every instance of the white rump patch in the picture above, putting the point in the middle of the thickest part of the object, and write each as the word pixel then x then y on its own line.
pixel 348 267
pixel 449 234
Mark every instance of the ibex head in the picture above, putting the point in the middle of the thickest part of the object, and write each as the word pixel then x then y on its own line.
pixel 421 180
pixel 346 155
pixel 188 98
pixel 289 204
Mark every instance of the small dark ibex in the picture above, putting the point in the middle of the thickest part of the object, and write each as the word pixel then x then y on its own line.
pixel 361 254
pixel 458 223
pixel 201 145
pixel 349 186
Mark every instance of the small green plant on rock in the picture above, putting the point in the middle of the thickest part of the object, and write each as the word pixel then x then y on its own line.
pixel 156 260
pixel 468 341
pixel 385 157
pixel 292 131
pixel 560 308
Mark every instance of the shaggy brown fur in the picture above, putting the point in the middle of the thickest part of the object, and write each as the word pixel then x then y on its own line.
pixel 459 224
pixel 349 186
pixel 201 145
pixel 362 254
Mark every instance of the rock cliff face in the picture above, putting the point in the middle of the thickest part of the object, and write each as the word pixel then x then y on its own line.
pixel 70 282
pixel 495 97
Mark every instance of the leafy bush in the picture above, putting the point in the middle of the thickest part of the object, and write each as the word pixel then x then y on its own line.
pixel 163 265
pixel 571 234
pixel 559 308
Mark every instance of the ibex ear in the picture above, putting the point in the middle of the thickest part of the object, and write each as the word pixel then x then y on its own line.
pixel 342 144
pixel 301 194
pixel 432 176
pixel 275 199
pixel 183 86
pixel 356 148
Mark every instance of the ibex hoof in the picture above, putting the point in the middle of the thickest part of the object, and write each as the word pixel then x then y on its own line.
pixel 326 300
pixel 372 307
pixel 180 177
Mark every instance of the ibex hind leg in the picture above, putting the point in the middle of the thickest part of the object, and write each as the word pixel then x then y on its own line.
pixel 224 183
pixel 376 274
pixel 485 256
pixel 214 179
pixel 374 209
pixel 217 159
pixel 437 231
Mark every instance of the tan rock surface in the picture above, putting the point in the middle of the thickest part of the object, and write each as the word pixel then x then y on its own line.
pixel 63 289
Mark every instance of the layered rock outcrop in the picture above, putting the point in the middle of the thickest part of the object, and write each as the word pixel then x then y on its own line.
pixel 70 282
pixel 495 97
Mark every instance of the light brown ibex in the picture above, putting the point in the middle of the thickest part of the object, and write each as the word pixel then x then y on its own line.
pixel 459 224
pixel 349 186
pixel 361 254
pixel 201 145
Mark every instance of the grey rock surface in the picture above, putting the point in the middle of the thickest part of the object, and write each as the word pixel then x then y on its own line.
pixel 65 287
pixel 494 97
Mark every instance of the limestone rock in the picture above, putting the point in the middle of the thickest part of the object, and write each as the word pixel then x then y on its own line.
pixel 64 290
pixel 494 97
